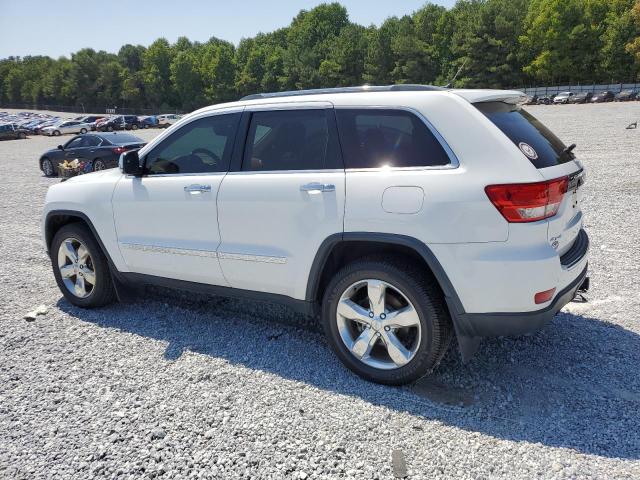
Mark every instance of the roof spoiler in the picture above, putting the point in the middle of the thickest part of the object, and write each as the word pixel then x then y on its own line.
pixel 477 96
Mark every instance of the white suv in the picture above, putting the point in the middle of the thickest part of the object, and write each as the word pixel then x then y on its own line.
pixel 402 215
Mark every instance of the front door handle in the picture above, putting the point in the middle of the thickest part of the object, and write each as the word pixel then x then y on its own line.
pixel 317 187
pixel 197 188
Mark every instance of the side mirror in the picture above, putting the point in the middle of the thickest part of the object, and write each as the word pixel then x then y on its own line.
pixel 60 147
pixel 130 163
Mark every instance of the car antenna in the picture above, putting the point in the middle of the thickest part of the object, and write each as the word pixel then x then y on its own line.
pixel 449 85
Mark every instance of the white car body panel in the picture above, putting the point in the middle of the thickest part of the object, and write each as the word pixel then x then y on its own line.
pixel 262 233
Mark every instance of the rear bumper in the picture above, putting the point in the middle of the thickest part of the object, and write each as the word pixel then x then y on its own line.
pixel 510 323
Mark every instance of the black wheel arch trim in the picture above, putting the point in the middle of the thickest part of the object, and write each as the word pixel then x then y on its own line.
pixel 453 301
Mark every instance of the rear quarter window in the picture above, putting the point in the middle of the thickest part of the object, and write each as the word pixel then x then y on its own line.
pixel 375 138
pixel 539 144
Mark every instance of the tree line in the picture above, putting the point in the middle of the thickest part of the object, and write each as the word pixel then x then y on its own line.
pixel 498 44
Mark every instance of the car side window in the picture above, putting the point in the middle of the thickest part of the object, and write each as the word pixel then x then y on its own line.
pixel 287 140
pixel 91 141
pixel 75 143
pixel 201 146
pixel 375 138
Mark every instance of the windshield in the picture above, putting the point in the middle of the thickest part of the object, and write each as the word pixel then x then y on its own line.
pixel 537 142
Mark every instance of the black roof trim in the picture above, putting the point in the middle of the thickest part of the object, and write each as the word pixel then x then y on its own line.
pixel 364 88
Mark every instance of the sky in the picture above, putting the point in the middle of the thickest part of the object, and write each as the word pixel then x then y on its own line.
pixel 55 28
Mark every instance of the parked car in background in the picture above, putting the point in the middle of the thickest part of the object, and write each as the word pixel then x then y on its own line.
pixel 582 97
pixel 149 122
pixel 606 96
pixel 546 100
pixel 97 150
pixel 531 100
pixel 120 122
pixel 91 119
pixel 627 96
pixel 12 132
pixel 562 98
pixel 167 119
pixel 70 126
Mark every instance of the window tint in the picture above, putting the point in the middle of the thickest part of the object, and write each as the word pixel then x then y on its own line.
pixel 373 138
pixel 91 141
pixel 75 143
pixel 201 146
pixel 523 128
pixel 287 140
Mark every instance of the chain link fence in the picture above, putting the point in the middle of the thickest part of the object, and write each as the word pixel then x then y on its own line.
pixel 593 88
pixel 81 109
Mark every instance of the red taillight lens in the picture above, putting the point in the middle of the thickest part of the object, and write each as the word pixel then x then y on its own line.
pixel 528 202
pixel 544 297
pixel 119 150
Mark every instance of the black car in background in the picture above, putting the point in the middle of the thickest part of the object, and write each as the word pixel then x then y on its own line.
pixel 627 96
pixel 606 96
pixel 545 100
pixel 96 150
pixel 582 97
pixel 121 122
pixel 12 132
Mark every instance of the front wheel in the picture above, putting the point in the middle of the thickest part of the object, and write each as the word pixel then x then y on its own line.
pixel 386 320
pixel 47 168
pixel 83 131
pixel 80 267
pixel 56 133
pixel 134 127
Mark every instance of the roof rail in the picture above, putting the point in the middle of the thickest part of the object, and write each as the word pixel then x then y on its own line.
pixel 364 88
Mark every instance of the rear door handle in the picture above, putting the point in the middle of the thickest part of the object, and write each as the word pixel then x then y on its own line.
pixel 318 187
pixel 196 188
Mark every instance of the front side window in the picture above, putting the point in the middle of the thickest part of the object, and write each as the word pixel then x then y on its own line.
pixel 287 140
pixel 376 138
pixel 201 146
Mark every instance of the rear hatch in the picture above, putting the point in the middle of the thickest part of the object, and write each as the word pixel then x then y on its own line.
pixel 551 157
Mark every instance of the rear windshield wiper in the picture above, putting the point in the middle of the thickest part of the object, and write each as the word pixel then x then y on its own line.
pixel 569 149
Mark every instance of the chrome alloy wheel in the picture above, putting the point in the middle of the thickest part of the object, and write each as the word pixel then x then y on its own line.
pixel 378 324
pixel 76 267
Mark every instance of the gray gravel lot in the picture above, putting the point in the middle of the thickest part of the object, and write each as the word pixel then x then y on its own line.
pixel 217 388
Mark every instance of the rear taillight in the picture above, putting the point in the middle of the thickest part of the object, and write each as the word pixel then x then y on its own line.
pixel 528 202
pixel 119 150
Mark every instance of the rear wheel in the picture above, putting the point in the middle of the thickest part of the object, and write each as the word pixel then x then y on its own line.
pixel 110 128
pixel 83 130
pixel 56 133
pixel 134 126
pixel 386 320
pixel 80 268
pixel 98 165
pixel 21 135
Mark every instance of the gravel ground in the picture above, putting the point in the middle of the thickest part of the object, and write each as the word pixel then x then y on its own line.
pixel 206 388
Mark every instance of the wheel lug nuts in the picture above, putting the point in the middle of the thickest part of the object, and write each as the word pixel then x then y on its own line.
pixel 387 328
pixel 383 316
pixel 370 314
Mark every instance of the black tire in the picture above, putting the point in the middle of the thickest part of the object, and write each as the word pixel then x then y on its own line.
pixel 22 136
pixel 421 290
pixel 103 293
pixel 56 133
pixel 83 131
pixel 47 168
pixel 98 164
pixel 110 128
pixel 134 127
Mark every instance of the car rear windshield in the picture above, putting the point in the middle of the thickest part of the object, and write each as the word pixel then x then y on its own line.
pixel 535 140
pixel 123 138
